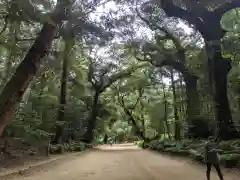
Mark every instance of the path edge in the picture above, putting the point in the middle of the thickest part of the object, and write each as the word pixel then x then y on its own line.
pixel 23 170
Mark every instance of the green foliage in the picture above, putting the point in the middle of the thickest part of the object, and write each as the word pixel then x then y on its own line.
pixel 194 150
pixel 230 20
pixel 69 147
pixel 79 146
pixel 139 143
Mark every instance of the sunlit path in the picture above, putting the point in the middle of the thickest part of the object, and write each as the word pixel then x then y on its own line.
pixel 127 146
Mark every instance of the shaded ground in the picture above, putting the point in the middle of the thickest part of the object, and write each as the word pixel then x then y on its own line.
pixel 17 152
pixel 119 162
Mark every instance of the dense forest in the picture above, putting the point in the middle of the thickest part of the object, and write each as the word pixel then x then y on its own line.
pixel 111 71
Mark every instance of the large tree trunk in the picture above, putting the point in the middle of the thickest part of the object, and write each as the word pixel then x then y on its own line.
pixel 209 25
pixel 193 108
pixel 193 104
pixel 131 119
pixel 63 91
pixel 142 119
pixel 138 131
pixel 12 52
pixel 175 109
pixel 182 106
pixel 62 102
pixel 88 136
pixel 105 139
pixel 13 91
pixel 221 67
pixel 165 110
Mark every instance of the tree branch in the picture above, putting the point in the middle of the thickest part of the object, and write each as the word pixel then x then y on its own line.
pixel 168 61
pixel 227 7
pixel 91 78
pixel 169 35
pixel 129 113
pixel 138 99
pixel 172 10
pixel 196 7
pixel 121 75
pixel 32 39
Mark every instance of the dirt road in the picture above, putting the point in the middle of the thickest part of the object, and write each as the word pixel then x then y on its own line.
pixel 120 162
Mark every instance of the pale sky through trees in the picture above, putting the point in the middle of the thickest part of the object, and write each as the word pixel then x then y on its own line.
pixel 104 9
pixel 143 32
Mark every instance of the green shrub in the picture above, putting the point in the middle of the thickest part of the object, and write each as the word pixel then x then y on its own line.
pixel 80 146
pixel 226 146
pixel 156 145
pixel 171 147
pixel 227 157
pixel 68 147
pixel 182 152
pixel 176 151
pixel 230 160
pixel 139 143
pixel 234 151
pixel 230 152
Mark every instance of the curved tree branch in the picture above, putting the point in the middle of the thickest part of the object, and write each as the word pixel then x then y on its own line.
pixel 196 7
pixel 168 61
pixel 121 75
pixel 32 39
pixel 227 7
pixel 172 10
pixel 129 112
pixel 168 35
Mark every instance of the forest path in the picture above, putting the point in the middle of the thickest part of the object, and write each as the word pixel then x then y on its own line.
pixel 120 162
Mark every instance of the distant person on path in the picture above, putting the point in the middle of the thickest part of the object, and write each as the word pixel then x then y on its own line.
pixel 110 141
pixel 211 157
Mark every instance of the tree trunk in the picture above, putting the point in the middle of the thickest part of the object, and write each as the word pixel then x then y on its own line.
pixel 88 136
pixel 221 67
pixel 131 119
pixel 182 106
pixel 193 104
pixel 14 26
pixel 63 90
pixel 137 129
pixel 12 52
pixel 191 87
pixel 209 25
pixel 176 117
pixel 143 124
pixel 13 91
pixel 165 110
pixel 165 117
pixel 105 139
